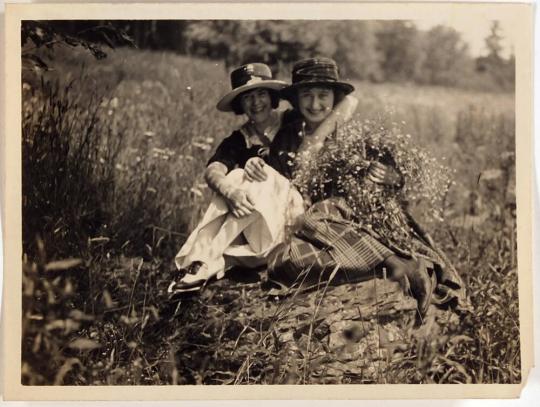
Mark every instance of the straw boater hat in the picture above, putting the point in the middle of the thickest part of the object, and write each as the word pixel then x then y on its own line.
pixel 249 77
pixel 313 72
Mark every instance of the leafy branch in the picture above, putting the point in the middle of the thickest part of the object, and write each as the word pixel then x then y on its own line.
pixel 36 35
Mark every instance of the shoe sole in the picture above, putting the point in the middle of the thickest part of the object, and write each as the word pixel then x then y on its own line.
pixel 171 290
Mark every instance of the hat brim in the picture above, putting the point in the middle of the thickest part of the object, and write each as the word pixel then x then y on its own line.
pixel 224 104
pixel 289 91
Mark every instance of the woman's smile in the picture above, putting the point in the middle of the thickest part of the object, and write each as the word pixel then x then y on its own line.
pixel 315 103
pixel 317 112
pixel 258 109
pixel 257 104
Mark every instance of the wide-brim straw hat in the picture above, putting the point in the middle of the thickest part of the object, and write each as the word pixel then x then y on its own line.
pixel 248 77
pixel 314 72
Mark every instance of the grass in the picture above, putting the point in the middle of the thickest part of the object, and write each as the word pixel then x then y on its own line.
pixel 113 154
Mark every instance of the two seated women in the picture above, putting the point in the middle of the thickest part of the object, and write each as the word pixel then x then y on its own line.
pixel 250 220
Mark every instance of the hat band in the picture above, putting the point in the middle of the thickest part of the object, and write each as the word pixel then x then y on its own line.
pixel 323 72
pixel 311 78
pixel 249 80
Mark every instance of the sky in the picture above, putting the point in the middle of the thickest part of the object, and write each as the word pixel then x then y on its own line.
pixel 473 33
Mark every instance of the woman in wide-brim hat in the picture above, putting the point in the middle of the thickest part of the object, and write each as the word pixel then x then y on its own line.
pixel 316 72
pixel 254 203
pixel 327 239
pixel 315 93
pixel 254 93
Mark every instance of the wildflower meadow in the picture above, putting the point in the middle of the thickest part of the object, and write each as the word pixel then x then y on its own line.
pixel 114 151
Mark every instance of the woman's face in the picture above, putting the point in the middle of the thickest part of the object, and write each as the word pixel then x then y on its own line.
pixel 257 104
pixel 315 103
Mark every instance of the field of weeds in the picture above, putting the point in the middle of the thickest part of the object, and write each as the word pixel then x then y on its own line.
pixel 113 155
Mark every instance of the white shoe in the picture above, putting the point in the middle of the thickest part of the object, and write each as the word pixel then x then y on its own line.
pixel 196 277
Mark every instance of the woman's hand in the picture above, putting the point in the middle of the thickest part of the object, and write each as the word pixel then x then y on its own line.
pixel 382 174
pixel 254 170
pixel 239 201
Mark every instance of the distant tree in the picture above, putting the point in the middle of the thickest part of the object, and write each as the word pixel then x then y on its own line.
pixel 354 45
pixel 500 70
pixel 493 40
pixel 446 58
pixel 276 43
pixel 279 43
pixel 155 34
pixel 213 39
pixel 399 44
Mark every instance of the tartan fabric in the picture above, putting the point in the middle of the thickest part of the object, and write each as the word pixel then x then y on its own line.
pixel 329 223
pixel 326 238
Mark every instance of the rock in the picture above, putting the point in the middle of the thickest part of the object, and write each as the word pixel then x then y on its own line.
pixel 339 334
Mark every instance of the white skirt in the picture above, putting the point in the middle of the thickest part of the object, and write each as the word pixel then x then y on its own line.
pixel 222 240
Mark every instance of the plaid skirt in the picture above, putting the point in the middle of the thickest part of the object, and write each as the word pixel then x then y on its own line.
pixel 327 238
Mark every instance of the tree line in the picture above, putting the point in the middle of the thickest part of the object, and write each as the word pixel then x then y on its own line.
pixel 377 51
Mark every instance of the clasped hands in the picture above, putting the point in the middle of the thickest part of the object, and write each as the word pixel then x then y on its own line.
pixel 239 200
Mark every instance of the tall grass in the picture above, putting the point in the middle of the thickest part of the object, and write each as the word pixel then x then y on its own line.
pixel 113 155
pixel 122 159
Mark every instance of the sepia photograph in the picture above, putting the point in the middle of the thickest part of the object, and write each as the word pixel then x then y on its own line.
pixel 269 202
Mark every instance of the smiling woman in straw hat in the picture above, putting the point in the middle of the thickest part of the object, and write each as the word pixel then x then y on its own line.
pixel 248 215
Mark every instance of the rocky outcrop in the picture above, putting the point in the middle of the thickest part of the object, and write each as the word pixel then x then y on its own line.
pixel 354 333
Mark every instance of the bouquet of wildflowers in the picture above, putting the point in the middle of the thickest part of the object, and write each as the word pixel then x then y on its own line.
pixel 341 169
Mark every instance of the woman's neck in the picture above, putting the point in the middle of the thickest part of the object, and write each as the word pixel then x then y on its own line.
pixel 310 127
pixel 263 126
